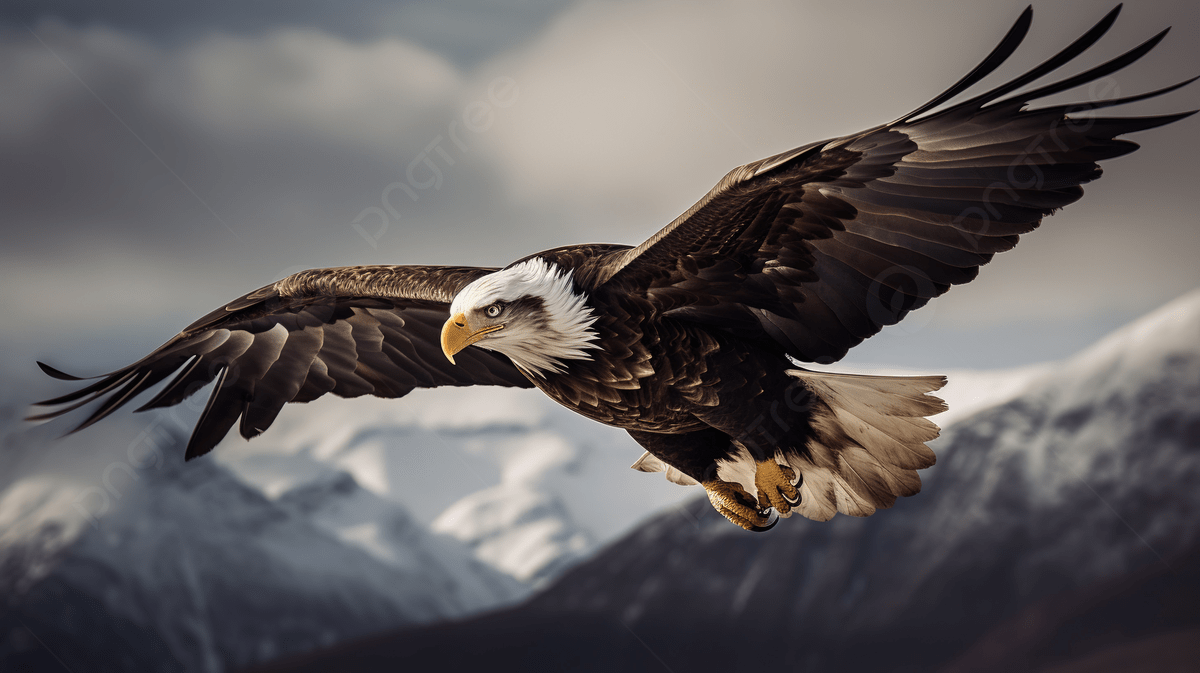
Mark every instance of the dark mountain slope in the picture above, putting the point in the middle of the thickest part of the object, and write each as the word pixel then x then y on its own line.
pixel 1093 473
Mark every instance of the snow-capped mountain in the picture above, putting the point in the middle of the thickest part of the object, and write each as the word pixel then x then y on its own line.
pixel 360 518
pixel 183 567
pixel 530 487
pixel 1090 472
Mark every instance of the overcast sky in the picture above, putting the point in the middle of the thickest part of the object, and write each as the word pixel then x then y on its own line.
pixel 158 160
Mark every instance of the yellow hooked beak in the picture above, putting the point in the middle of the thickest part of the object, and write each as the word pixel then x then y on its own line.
pixel 457 335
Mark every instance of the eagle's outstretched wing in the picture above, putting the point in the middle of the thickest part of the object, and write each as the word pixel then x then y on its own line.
pixel 348 331
pixel 821 247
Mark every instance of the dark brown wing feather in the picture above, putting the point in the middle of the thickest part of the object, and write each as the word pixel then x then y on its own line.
pixel 350 331
pixel 819 248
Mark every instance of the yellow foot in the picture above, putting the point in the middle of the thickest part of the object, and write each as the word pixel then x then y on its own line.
pixel 776 486
pixel 735 504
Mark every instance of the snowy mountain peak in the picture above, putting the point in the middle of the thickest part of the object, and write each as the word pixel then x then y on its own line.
pixel 1160 346
pixel 384 529
pixel 1173 327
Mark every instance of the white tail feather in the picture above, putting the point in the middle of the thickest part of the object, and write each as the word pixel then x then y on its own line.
pixel 872 428
pixel 869 435
pixel 817 489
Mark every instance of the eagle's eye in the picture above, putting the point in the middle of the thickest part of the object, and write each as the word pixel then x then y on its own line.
pixel 494 310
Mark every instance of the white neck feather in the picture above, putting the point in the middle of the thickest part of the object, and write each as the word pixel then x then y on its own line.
pixel 536 346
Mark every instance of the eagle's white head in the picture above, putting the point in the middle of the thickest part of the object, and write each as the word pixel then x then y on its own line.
pixel 528 312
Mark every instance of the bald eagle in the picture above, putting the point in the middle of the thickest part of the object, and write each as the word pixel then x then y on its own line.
pixel 691 341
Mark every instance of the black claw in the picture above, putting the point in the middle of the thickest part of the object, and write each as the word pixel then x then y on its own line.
pixel 770 524
pixel 799 481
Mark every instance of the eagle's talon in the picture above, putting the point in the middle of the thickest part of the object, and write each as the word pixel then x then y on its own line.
pixel 776 486
pixel 735 504
pixel 771 518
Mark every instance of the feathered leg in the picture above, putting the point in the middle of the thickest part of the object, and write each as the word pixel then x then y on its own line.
pixel 690 458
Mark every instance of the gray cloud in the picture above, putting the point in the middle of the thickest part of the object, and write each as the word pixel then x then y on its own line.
pixel 463 31
pixel 154 171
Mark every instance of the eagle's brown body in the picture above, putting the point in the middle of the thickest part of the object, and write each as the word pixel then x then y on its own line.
pixel 658 374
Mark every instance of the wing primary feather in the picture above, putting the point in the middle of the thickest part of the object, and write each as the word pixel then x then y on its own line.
pixel 1053 63
pixel 169 389
pixel 1086 76
pixel 1115 126
pixel 1007 46
pixel 1097 105
pixel 113 403
pixel 87 394
pixel 86 400
pixel 218 417
pixel 61 375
